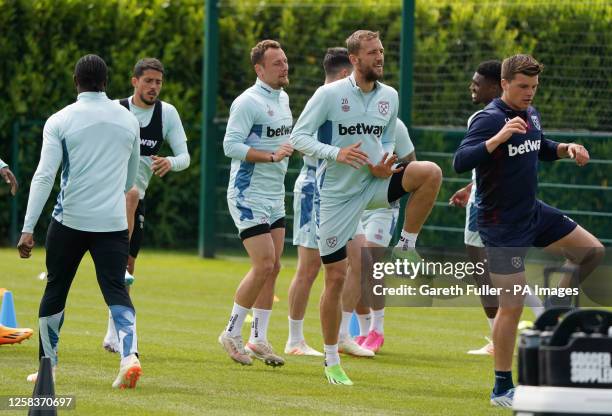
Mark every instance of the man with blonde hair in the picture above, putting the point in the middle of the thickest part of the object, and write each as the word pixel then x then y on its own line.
pixel 355 119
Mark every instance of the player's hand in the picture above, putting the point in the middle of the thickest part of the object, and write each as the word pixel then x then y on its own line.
pixel 25 245
pixel 353 156
pixel 578 153
pixel 161 166
pixel 285 150
pixel 10 179
pixel 516 125
pixel 461 197
pixel 385 168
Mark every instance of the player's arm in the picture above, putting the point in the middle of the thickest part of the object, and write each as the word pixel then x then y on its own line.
pixel 462 196
pixel 304 137
pixel 177 139
pixel 384 168
pixel 304 133
pixel 572 150
pixel 42 182
pixel 404 148
pixel 8 177
pixel 134 160
pixel 239 125
pixel 480 142
pixel 389 139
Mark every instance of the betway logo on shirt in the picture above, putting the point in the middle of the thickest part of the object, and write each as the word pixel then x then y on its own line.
pixel 281 131
pixel 526 147
pixel 148 143
pixel 360 128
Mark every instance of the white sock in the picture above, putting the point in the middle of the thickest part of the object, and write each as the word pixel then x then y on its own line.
pixel 259 327
pixel 345 323
pixel 331 355
pixel 407 240
pixel 124 360
pixel 535 303
pixel 111 336
pixel 491 321
pixel 296 331
pixel 239 313
pixel 364 324
pixel 378 321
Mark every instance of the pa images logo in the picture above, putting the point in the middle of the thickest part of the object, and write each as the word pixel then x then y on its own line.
pixel 331 242
pixel 383 107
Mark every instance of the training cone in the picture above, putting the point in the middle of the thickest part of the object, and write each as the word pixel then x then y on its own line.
pixel 44 388
pixel 354 327
pixel 7 314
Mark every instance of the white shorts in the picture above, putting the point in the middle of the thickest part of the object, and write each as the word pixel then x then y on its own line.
pixel 471 236
pixel 378 225
pixel 339 219
pixel 304 219
pixel 250 212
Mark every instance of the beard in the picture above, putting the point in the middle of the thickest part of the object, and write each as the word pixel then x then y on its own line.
pixel 283 82
pixel 146 101
pixel 369 74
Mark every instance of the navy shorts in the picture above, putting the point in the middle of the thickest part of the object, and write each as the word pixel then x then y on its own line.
pixel 507 244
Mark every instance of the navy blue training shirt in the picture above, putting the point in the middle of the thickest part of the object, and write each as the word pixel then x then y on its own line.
pixel 507 179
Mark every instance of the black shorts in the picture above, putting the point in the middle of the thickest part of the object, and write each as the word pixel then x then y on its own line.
pixel 262 229
pixel 507 244
pixel 138 232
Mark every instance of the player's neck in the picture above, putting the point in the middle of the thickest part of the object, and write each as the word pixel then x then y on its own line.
pixel 509 104
pixel 139 103
pixel 364 86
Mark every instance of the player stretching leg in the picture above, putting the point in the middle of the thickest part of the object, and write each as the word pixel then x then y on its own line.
pixel 484 87
pixel 504 143
pixel 356 119
pixel 376 228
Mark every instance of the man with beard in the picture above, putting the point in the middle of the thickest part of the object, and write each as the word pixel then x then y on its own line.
pixel 257 141
pixel 159 121
pixel 355 119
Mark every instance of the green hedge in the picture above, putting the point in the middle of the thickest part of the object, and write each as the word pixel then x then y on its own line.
pixel 41 40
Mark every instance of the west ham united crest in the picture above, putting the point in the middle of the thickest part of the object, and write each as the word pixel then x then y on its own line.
pixel 331 242
pixel 383 107
pixel 536 122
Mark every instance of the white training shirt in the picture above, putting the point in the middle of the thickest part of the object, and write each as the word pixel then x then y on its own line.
pixel 97 143
pixel 173 133
pixel 2 164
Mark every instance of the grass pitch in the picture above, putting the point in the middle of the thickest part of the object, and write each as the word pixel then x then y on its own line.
pixel 182 304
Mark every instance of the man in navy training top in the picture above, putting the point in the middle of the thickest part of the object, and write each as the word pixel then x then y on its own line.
pixel 504 143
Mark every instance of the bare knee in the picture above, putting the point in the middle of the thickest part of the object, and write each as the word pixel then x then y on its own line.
pixel 264 267
pixel 422 173
pixel 335 276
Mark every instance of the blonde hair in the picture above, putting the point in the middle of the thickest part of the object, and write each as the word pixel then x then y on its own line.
pixel 353 42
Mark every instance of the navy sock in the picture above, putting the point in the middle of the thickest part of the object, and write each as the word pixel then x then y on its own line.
pixel 503 382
